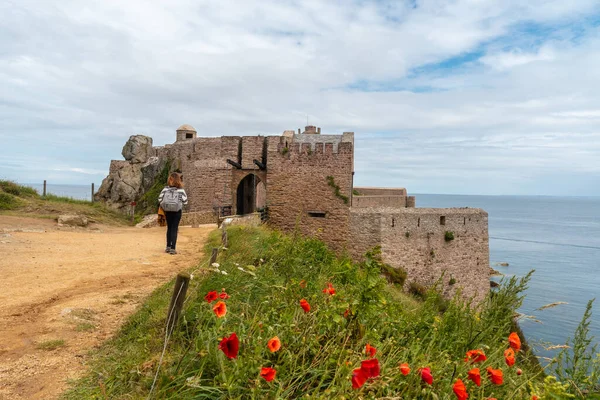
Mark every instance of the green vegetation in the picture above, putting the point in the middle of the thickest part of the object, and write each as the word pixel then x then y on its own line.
pixel 338 193
pixel 394 275
pixel 148 203
pixel 266 274
pixel 19 200
pixel 448 236
pixel 452 281
pixel 355 192
pixel 51 344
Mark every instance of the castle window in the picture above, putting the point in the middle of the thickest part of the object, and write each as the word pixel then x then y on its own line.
pixel 464 220
pixel 419 221
pixel 393 222
pixel 317 214
pixel 442 220
pixel 189 135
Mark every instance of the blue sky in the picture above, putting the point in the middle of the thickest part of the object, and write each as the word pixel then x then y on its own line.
pixel 463 96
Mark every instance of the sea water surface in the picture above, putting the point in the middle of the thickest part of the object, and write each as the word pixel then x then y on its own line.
pixel 78 192
pixel 559 238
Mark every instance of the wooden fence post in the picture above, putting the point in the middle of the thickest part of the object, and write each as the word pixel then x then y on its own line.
pixel 92 192
pixel 44 194
pixel 224 239
pixel 181 284
pixel 213 256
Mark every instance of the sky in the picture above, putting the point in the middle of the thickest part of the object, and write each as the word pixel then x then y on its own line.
pixel 454 97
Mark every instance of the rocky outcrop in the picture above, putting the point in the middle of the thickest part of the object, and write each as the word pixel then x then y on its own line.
pixel 128 180
pixel 137 149
pixel 72 220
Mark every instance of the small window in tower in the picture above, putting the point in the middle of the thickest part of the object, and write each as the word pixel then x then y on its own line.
pixel 317 214
pixel 393 222
pixel 189 135
pixel 442 220
pixel 419 221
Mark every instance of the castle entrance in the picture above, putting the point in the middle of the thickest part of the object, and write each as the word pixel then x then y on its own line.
pixel 251 195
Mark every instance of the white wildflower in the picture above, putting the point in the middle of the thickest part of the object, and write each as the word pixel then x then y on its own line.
pixel 224 272
pixel 216 265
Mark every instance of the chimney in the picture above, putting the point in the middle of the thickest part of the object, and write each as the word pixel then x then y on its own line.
pixel 318 130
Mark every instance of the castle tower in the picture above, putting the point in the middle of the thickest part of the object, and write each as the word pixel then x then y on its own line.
pixel 185 132
pixel 311 130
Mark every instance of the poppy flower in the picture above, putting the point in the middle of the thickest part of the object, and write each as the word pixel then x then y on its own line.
pixel 230 345
pixel 514 341
pixel 519 371
pixel 223 295
pixel 370 367
pixel 405 369
pixel 460 390
pixel 268 373
pixel 475 356
pixel 329 289
pixel 274 344
pixel 305 306
pixel 475 376
pixel 211 296
pixel 495 376
pixel 302 284
pixel 534 397
pixel 509 357
pixel 359 377
pixel 346 313
pixel 370 350
pixel 220 309
pixel 426 375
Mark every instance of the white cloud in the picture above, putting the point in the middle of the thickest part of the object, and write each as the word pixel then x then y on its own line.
pixel 79 77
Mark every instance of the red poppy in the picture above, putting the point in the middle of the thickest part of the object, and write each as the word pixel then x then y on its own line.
pixel 514 341
pixel 534 397
pixel 370 350
pixel 495 376
pixel 302 284
pixel 475 356
pixel 519 371
pixel 305 306
pixel 475 376
pixel 220 309
pixel 346 313
pixel 223 295
pixel 211 296
pixel 274 344
pixel 329 289
pixel 509 357
pixel 359 377
pixel 230 345
pixel 405 369
pixel 371 367
pixel 426 375
pixel 460 390
pixel 268 373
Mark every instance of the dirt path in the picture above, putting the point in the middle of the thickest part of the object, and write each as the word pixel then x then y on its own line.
pixel 64 291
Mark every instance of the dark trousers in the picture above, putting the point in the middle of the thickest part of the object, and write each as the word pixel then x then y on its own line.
pixel 173 218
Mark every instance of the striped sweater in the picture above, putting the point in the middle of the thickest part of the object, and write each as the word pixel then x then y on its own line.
pixel 181 192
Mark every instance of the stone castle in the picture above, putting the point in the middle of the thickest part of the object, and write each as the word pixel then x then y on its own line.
pixel 304 181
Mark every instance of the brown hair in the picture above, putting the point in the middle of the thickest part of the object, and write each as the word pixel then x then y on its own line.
pixel 175 180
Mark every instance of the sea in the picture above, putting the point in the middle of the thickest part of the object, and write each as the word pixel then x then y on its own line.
pixel 558 237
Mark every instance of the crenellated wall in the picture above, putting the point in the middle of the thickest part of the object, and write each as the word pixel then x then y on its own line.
pixel 298 190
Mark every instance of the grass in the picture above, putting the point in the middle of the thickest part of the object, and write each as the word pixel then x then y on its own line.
pixel 85 327
pixel 267 274
pixel 51 344
pixel 19 200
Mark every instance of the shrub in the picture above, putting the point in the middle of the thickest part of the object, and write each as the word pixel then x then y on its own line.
pixel 417 290
pixel 448 236
pixel 148 203
pixel 8 201
pixel 17 190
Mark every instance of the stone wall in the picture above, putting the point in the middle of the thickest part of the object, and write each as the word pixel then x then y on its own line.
pixel 379 201
pixel 298 193
pixel 376 191
pixel 414 239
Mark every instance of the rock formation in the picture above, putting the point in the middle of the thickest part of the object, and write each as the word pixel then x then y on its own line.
pixel 128 180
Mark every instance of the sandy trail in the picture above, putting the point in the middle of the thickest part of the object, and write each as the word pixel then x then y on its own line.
pixel 74 285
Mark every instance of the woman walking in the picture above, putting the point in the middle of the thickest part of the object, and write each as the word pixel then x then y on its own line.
pixel 172 199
